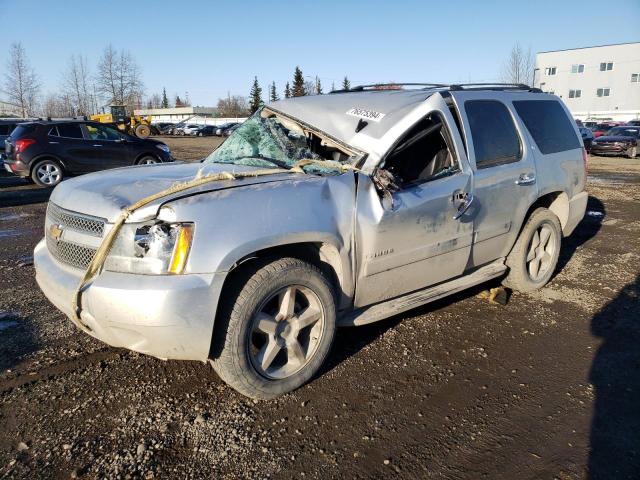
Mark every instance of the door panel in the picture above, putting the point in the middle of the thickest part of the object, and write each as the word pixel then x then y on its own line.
pixel 416 243
pixel 503 190
pixel 109 150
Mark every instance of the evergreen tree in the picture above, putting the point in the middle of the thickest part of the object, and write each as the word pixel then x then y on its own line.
pixel 318 86
pixel 255 96
pixel 346 84
pixel 165 100
pixel 179 102
pixel 287 91
pixel 298 84
pixel 273 93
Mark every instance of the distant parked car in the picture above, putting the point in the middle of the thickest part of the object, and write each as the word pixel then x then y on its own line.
pixel 189 129
pixel 622 140
pixel 48 151
pixel 634 123
pixel 602 128
pixel 589 124
pixel 205 131
pixel 164 128
pixel 223 127
pixel 587 137
pixel 228 131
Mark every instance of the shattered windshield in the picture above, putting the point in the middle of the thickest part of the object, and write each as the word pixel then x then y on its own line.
pixel 268 142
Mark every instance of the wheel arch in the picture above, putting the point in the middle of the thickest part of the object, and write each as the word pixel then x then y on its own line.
pixel 322 254
pixel 146 154
pixel 47 156
pixel 557 202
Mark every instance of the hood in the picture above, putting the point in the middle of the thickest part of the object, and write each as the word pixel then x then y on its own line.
pixel 104 194
pixel 616 138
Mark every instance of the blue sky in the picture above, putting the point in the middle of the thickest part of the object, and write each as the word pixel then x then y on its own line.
pixel 207 48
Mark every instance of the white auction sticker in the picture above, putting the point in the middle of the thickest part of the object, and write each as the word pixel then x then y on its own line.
pixel 366 114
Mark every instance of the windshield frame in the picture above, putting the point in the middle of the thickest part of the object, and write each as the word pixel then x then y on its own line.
pixel 355 155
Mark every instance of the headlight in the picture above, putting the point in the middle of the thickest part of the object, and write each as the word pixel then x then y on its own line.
pixel 163 147
pixel 160 248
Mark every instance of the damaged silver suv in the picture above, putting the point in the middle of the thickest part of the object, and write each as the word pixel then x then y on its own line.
pixel 317 212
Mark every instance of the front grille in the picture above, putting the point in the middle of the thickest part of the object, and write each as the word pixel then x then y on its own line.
pixel 70 253
pixel 76 221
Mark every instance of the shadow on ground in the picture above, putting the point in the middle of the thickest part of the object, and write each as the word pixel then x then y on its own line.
pixel 615 375
pixel 17 339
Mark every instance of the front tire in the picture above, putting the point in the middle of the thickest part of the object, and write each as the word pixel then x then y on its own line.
pixel 534 257
pixel 47 173
pixel 632 152
pixel 276 330
pixel 147 160
pixel 142 131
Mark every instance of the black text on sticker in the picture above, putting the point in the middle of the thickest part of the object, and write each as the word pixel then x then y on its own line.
pixel 366 114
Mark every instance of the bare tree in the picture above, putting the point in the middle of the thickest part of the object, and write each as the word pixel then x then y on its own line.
pixel 58 106
pixel 77 86
pixel 154 101
pixel 21 85
pixel 233 106
pixel 519 66
pixel 119 78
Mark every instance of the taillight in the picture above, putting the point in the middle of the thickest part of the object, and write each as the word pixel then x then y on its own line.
pixel 584 159
pixel 23 143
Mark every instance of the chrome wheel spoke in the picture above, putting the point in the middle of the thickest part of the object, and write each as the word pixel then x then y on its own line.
pixel 268 353
pixel 545 235
pixel 295 353
pixel 307 317
pixel 267 324
pixel 534 267
pixel 287 303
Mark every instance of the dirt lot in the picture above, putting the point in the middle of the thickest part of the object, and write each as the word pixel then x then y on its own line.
pixel 547 386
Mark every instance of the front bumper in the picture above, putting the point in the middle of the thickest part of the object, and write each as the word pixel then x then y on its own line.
pixel 166 316
pixel 608 149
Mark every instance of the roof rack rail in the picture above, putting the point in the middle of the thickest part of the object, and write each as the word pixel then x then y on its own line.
pixel 389 86
pixel 453 87
pixel 494 86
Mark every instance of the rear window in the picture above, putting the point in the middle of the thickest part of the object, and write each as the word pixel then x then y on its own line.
pixel 69 130
pixel 494 136
pixel 548 124
pixel 20 130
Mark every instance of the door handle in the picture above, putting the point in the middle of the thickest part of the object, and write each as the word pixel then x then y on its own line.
pixel 97 145
pixel 466 203
pixel 526 179
pixel 54 143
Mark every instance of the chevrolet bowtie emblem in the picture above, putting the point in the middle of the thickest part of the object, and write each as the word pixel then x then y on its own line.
pixel 55 231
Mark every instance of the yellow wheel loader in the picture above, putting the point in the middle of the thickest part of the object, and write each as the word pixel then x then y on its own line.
pixel 132 124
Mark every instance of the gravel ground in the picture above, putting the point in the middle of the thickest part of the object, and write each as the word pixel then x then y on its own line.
pixel 547 386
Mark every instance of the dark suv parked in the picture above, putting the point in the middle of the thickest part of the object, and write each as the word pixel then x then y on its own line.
pixel 48 151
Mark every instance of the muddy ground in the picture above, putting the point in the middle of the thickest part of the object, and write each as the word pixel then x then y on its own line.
pixel 547 386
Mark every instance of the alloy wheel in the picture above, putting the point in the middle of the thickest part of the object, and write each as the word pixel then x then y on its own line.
pixel 49 173
pixel 285 332
pixel 541 253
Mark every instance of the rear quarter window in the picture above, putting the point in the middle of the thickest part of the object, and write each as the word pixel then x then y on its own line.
pixel 548 124
pixel 21 130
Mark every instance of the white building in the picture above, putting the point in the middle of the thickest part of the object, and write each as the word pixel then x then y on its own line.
pixel 595 82
pixel 192 115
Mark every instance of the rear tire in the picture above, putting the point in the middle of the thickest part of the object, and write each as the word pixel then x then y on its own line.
pixel 534 257
pixel 276 330
pixel 47 173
